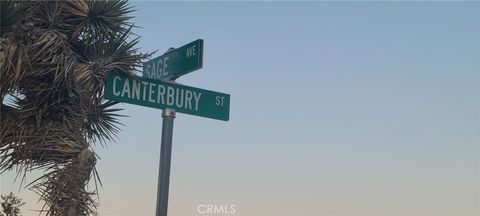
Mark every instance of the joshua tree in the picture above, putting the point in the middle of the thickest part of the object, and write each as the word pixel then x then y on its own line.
pixel 54 57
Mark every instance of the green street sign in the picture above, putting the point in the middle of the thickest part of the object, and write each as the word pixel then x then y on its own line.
pixel 158 94
pixel 175 63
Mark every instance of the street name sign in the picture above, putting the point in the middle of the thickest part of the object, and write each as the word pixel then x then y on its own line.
pixel 159 94
pixel 175 63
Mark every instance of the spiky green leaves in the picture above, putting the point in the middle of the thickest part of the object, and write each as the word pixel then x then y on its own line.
pixel 107 18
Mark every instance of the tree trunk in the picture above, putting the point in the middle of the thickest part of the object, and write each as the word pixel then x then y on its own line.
pixel 74 197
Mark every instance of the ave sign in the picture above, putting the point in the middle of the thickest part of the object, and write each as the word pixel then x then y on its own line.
pixel 175 63
pixel 159 94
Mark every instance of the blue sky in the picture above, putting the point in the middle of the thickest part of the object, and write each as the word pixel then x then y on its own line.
pixel 337 108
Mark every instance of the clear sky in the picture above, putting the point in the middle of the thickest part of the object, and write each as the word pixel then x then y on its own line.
pixel 337 109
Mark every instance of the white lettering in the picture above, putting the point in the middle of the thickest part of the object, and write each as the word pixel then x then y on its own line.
pixel 219 101
pixel 161 94
pixel 126 88
pixel 188 99
pixel 214 209
pixel 179 97
pixel 116 93
pixel 210 209
pixel 144 89
pixel 170 95
pixel 200 211
pixel 135 89
pixel 191 51
pixel 165 72
pixel 153 73
pixel 197 99
pixel 218 209
pixel 148 70
pixel 150 92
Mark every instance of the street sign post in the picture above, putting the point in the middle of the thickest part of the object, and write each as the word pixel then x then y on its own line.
pixel 157 90
pixel 176 62
pixel 168 67
pixel 159 94
pixel 168 115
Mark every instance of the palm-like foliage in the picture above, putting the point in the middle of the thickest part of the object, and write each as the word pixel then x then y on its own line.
pixel 54 57
pixel 10 205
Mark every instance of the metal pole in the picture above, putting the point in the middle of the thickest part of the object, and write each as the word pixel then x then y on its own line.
pixel 168 116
